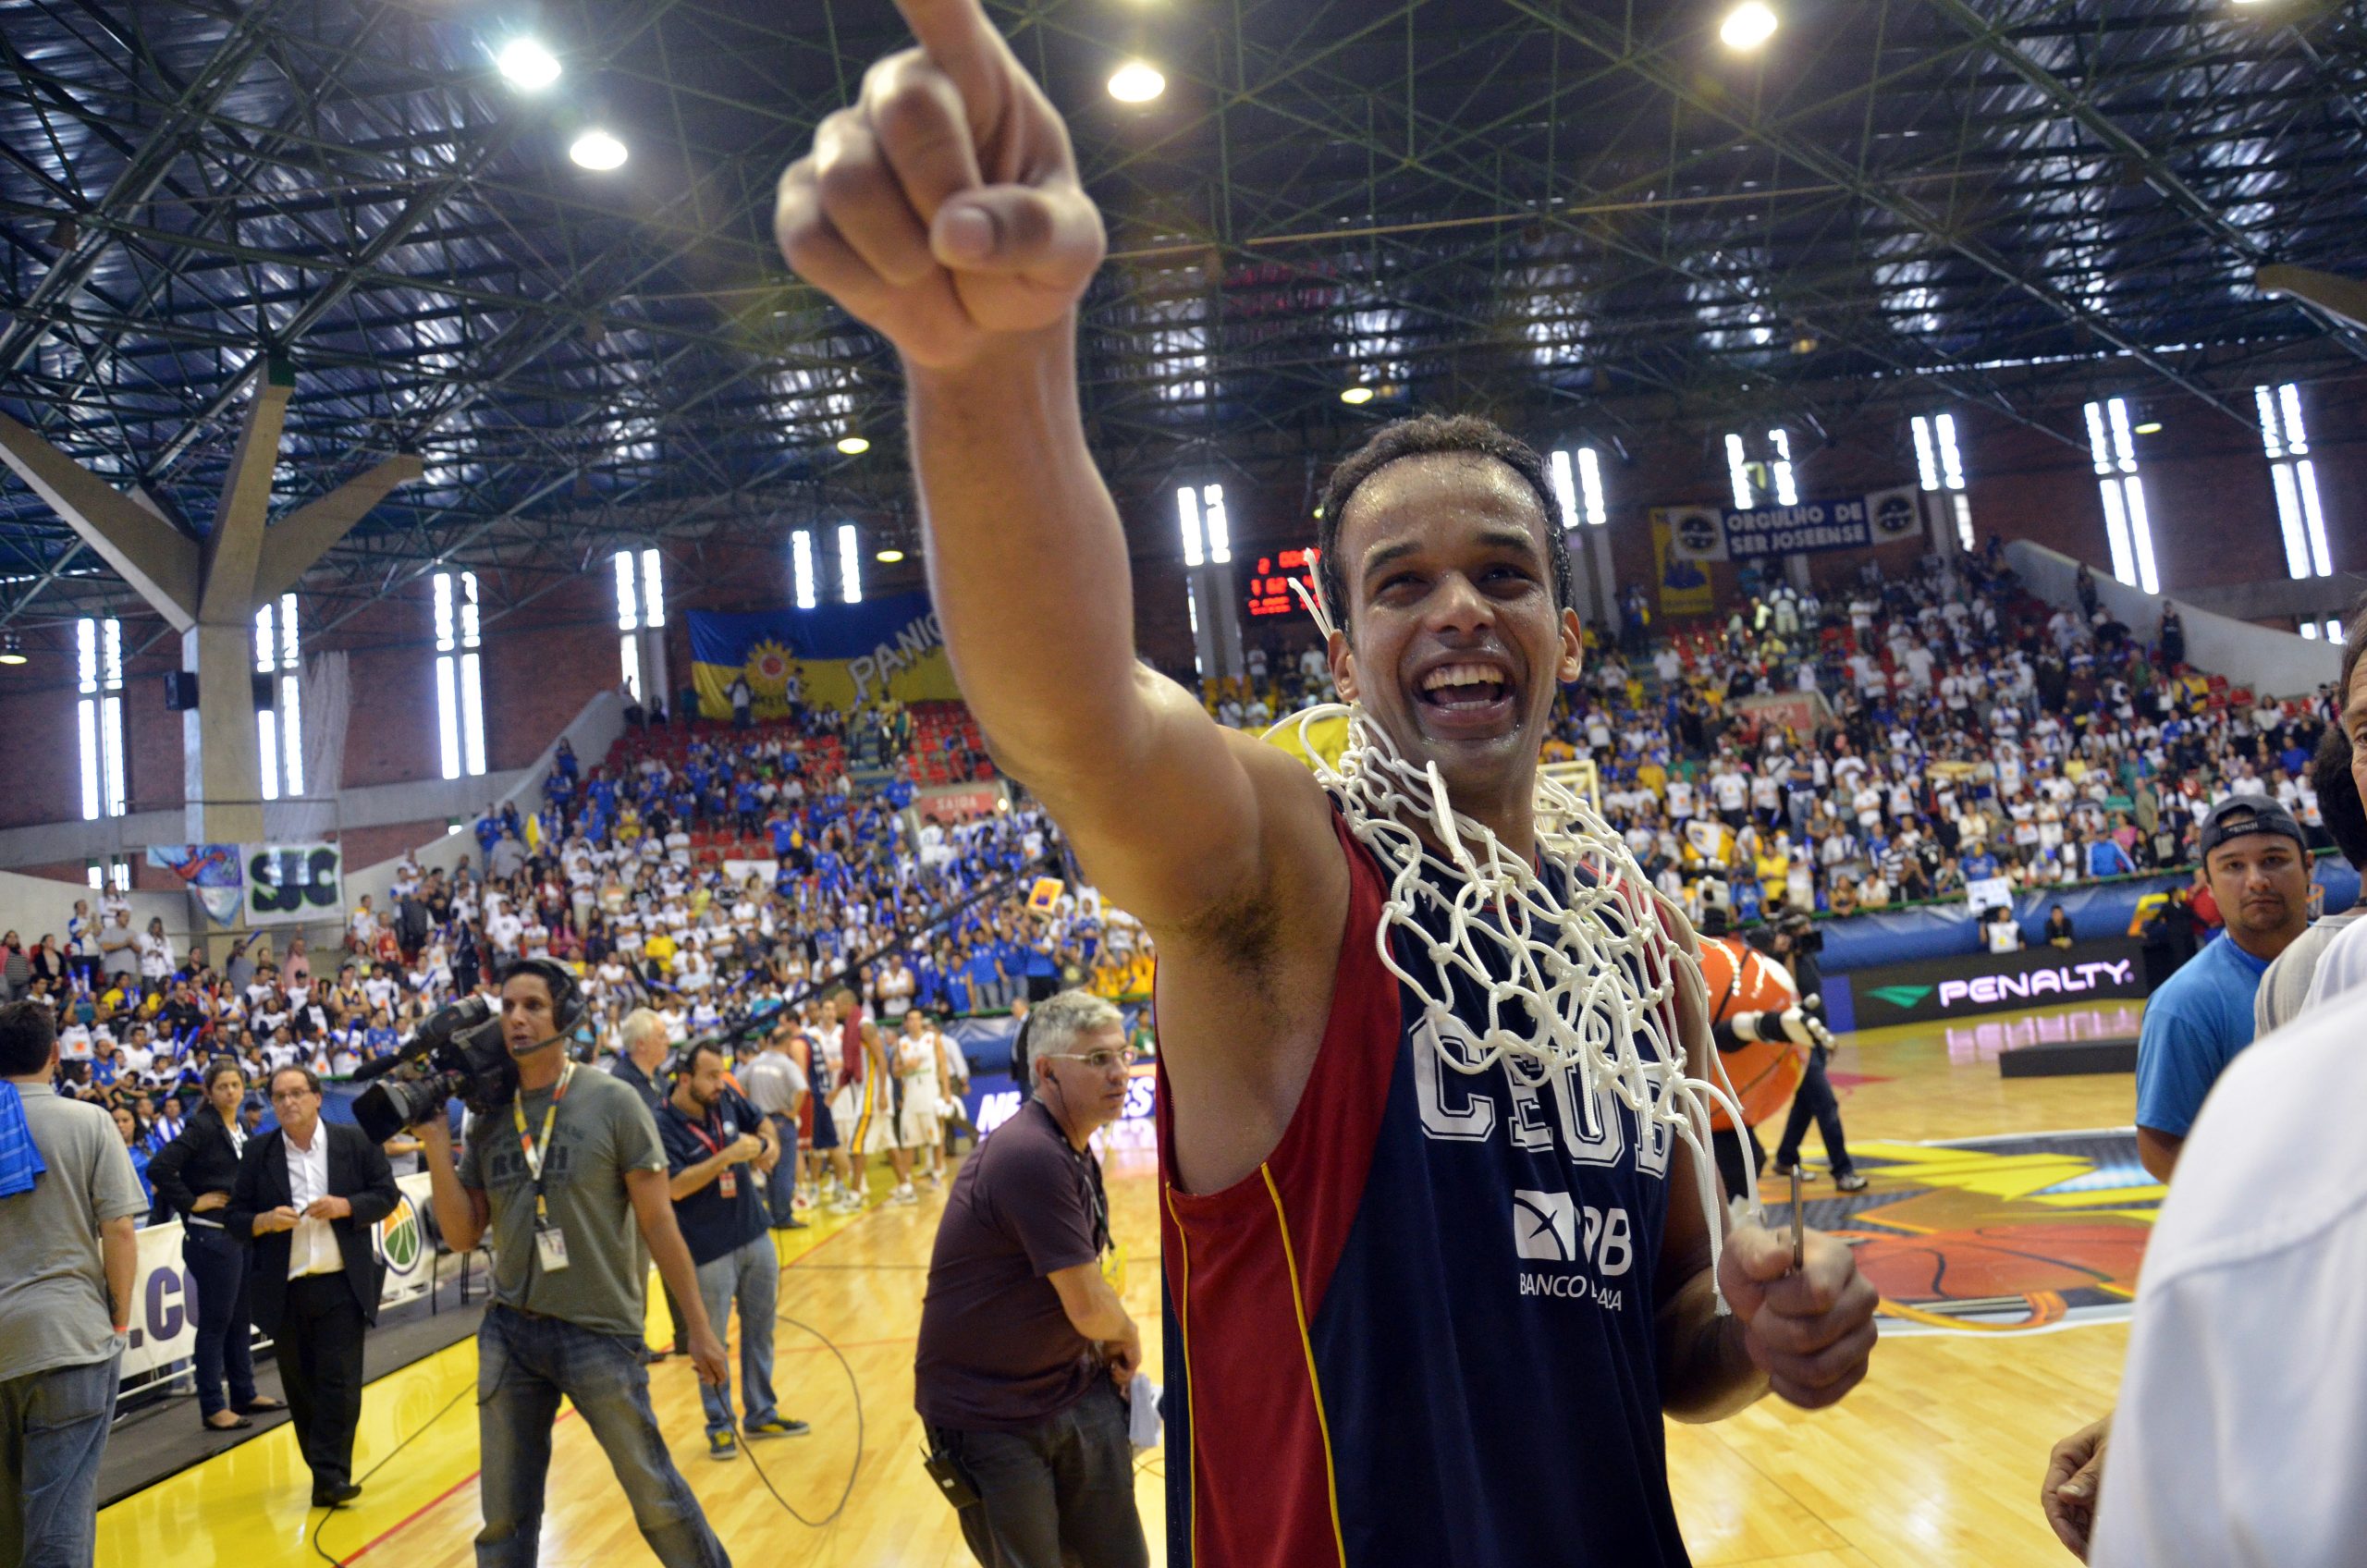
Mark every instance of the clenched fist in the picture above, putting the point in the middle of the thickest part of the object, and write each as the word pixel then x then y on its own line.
pixel 943 208
pixel 1811 1330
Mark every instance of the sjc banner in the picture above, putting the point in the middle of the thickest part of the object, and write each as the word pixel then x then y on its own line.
pixel 842 655
pixel 1841 522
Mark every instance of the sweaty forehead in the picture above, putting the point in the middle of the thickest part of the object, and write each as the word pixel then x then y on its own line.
pixel 1435 498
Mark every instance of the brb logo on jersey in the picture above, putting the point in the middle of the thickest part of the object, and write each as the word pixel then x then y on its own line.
pixel 1554 1228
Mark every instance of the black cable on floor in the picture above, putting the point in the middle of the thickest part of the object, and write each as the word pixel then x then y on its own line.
pixel 854 1387
pixel 325 1511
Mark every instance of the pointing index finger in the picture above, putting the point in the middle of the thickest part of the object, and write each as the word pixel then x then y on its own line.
pixel 960 42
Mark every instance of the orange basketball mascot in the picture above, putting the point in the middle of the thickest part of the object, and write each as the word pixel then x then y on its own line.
pixel 1760 1028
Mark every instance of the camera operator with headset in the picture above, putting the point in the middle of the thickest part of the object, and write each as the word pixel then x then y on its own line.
pixel 577 1204
pixel 1793 940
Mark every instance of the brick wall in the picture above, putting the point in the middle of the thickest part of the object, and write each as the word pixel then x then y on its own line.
pixel 2214 521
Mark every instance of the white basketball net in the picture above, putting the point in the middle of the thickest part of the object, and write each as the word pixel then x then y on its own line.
pixel 1592 978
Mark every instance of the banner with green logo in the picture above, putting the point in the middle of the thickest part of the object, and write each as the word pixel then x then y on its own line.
pixel 1966 985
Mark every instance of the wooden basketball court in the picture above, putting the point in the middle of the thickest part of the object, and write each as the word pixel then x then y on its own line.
pixel 1935 1460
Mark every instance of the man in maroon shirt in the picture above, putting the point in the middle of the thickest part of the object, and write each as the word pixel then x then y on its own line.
pixel 1024 1347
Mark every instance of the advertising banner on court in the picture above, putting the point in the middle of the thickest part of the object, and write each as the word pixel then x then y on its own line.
pixel 163 1298
pixel 1969 983
pixel 164 1303
pixel 293 884
pixel 406 1242
pixel 1684 586
pixel 1837 522
pixel 839 655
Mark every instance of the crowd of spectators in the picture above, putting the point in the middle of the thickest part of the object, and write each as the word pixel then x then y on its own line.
pixel 702 871
pixel 1897 740
pixel 1904 740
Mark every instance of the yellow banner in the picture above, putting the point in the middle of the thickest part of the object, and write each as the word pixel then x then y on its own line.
pixel 1683 584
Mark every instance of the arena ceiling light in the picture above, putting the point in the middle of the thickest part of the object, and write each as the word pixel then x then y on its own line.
pixel 598 150
pixel 1136 81
pixel 854 446
pixel 13 649
pixel 529 67
pixel 888 557
pixel 1356 396
pixel 1747 26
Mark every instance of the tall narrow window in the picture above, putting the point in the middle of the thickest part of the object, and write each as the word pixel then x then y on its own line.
pixel 628 623
pixel 1187 517
pixel 1939 466
pixel 2127 527
pixel 1579 488
pixel 801 558
pixel 1738 472
pixel 1220 530
pixel 1779 444
pixel 850 565
pixel 267 715
pixel 2295 479
pixel 291 701
pixel 653 588
pixel 460 691
pixel 98 718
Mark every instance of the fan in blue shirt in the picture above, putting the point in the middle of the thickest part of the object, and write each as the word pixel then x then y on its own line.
pixel 2256 864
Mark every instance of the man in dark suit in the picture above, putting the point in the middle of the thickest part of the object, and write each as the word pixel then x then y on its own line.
pixel 306 1198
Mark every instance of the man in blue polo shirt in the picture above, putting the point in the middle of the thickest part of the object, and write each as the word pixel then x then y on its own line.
pixel 2255 861
pixel 719 1150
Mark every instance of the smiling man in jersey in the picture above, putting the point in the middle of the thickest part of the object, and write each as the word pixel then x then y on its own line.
pixel 1414 1316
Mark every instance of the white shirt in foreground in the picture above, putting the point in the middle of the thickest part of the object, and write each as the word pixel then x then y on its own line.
pixel 2342 966
pixel 2242 1436
pixel 311 1246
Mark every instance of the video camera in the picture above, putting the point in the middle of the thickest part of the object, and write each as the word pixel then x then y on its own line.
pixel 457 1054
pixel 1795 924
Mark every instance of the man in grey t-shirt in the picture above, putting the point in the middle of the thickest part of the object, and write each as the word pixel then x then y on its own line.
pixel 569 1182
pixel 777 1087
pixel 67 1266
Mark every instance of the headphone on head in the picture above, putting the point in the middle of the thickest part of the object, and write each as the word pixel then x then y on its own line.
pixel 567 1003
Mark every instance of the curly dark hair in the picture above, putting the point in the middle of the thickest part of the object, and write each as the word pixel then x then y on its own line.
pixel 2354 646
pixel 2338 790
pixel 1422 436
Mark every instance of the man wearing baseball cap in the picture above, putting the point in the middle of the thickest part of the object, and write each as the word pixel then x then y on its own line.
pixel 2255 862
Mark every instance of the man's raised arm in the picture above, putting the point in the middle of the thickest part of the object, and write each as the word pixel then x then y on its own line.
pixel 943 209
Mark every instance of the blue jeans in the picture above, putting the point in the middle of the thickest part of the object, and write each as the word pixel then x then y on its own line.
pixel 781 1187
pixel 217 1267
pixel 523 1366
pixel 750 1275
pixel 53 1431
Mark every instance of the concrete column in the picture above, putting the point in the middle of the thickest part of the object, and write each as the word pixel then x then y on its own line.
pixel 221 747
pixel 209 590
pixel 1216 602
pixel 1606 581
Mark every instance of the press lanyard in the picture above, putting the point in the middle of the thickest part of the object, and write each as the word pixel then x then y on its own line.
pixel 532 1149
pixel 725 1182
pixel 699 1131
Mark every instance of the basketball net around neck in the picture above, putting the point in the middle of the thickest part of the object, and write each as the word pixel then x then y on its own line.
pixel 1590 981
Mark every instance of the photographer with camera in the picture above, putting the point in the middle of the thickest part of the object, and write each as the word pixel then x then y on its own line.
pixel 577 1206
pixel 1794 941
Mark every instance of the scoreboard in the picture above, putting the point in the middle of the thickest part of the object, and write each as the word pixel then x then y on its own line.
pixel 1269 590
